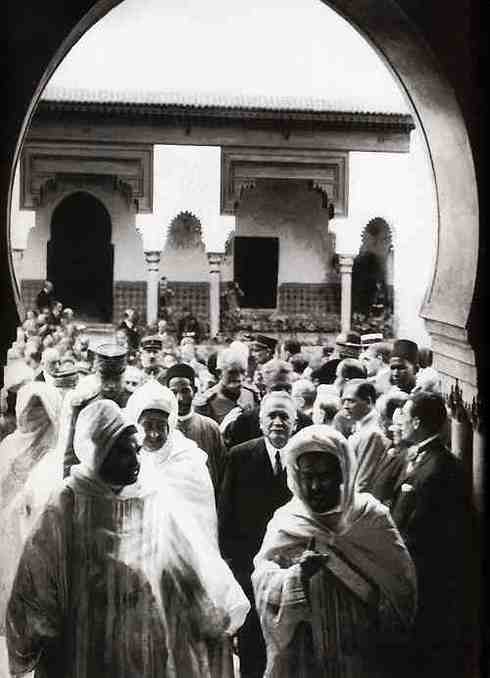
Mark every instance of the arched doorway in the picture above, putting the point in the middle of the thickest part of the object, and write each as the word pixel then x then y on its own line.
pixel 80 257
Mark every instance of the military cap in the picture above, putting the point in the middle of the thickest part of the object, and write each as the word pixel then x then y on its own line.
pixel 65 376
pixel 406 349
pixel 151 343
pixel 110 358
pixel 267 342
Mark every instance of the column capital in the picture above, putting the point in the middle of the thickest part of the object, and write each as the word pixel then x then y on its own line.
pixel 346 262
pixel 152 258
pixel 215 260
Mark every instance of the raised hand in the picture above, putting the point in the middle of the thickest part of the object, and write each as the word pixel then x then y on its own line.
pixel 311 561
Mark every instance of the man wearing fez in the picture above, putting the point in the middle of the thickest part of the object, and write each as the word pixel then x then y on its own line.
pixel 204 431
pixel 107 383
pixel 404 364
pixel 151 348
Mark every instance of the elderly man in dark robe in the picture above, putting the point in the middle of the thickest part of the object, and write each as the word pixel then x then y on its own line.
pixel 113 578
pixel 334 584
pixel 204 431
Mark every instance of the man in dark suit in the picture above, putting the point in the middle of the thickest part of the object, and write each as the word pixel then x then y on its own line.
pixel 254 486
pixel 432 509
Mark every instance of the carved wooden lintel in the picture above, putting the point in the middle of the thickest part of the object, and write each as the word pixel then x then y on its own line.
pixel 44 166
pixel 325 171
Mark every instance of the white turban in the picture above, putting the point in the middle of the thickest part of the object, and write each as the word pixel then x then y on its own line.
pixel 153 396
pixel 98 427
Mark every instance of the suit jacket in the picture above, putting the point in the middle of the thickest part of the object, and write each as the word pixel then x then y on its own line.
pixel 432 509
pixel 250 494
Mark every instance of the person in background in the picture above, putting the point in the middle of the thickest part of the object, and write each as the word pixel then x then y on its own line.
pixel 376 360
pixel 241 426
pixel 129 325
pixel 32 357
pixel 230 392
pixel 427 378
pixel 204 431
pixel 106 383
pixel 188 325
pixel 299 363
pixel 263 349
pixel 346 346
pixel 290 348
pixel 254 486
pixel 150 358
pixel 334 585
pixel 325 407
pixel 168 340
pixel 388 407
pixel 404 364
pixel 45 297
pixel 133 378
pixel 368 442
pixel 304 393
pixel 37 412
pixel 432 508
pixel 347 369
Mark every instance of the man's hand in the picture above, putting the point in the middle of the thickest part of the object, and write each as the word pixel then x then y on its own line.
pixel 311 561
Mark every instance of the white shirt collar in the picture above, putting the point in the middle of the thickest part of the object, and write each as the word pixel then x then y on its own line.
pixel 185 417
pixel 271 451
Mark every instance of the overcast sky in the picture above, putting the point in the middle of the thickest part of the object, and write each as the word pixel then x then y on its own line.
pixel 268 47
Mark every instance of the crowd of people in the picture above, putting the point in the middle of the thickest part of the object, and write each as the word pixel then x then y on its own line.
pixel 168 505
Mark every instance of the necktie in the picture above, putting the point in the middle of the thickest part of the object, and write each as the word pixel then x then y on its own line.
pixel 278 465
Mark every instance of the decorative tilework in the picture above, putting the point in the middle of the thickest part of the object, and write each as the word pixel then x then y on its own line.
pixel 194 295
pixel 29 289
pixel 309 298
pixel 129 294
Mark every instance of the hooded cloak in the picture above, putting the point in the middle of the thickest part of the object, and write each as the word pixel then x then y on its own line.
pixel 353 614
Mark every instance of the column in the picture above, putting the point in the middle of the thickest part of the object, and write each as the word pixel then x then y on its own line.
pixel 478 455
pixel 461 428
pixel 153 268
pixel 214 292
pixel 345 264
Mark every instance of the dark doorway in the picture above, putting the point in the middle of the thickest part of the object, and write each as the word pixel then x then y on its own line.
pixel 81 257
pixel 256 264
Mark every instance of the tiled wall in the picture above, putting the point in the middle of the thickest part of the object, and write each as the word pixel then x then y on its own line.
pixel 309 298
pixel 29 289
pixel 194 295
pixel 129 294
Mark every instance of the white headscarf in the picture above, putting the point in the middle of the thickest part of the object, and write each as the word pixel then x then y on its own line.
pixel 321 438
pixel 153 396
pixel 98 427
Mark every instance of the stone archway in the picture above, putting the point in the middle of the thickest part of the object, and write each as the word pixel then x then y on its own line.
pixel 401 34
pixel 80 256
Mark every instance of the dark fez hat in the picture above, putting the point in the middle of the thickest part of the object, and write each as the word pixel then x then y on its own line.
pixel 182 371
pixel 151 343
pixel 265 342
pixel 406 349
pixel 110 359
